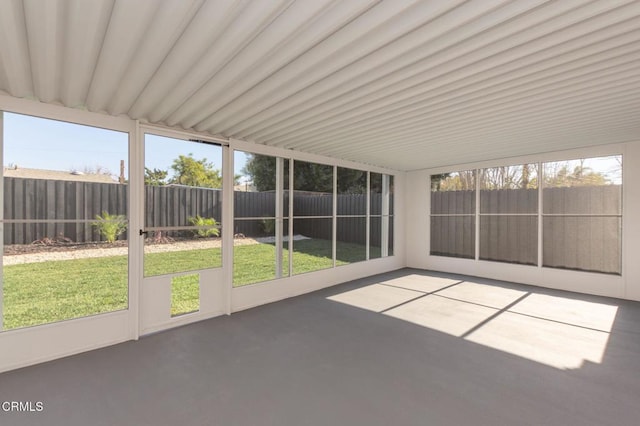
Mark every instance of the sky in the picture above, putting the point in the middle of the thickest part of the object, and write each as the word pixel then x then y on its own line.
pixel 610 167
pixel 38 143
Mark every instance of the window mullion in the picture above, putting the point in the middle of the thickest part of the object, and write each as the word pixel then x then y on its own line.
pixel 477 214
pixel 540 211
pixel 334 230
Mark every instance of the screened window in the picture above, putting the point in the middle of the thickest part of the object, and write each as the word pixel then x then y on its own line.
pixel 351 223
pixel 509 214
pixel 261 226
pixel 183 205
pixel 312 244
pixel 293 217
pixel 453 211
pixel 64 221
pixel 381 215
pixel 572 209
pixel 582 214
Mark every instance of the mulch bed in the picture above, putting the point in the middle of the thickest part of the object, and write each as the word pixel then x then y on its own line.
pixel 49 245
pixel 38 247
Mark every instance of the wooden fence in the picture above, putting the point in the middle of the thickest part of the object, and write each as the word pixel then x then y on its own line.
pixel 581 226
pixel 351 222
pixel 350 229
pixel 40 199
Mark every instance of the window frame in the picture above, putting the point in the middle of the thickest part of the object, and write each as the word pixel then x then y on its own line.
pixel 290 217
pixel 540 160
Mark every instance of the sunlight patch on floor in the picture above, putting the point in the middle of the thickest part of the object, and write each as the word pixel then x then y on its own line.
pixel 375 297
pixel 483 294
pixel 561 332
pixel 598 316
pixel 442 314
pixel 421 283
pixel 552 343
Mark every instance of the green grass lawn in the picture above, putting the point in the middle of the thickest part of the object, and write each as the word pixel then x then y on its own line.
pixel 40 293
pixel 185 294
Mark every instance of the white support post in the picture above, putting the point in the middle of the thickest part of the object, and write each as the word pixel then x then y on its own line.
pixel 477 215
pixel 540 216
pixel 279 222
pixel 1 218
pixel 368 218
pixel 136 222
pixel 227 225
pixel 384 235
pixel 291 191
pixel 334 226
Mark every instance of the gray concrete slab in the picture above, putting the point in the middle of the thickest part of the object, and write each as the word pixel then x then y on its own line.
pixel 313 360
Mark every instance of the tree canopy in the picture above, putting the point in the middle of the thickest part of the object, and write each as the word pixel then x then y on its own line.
pixel 262 170
pixel 307 176
pixel 509 177
pixel 186 171
pixel 520 177
pixel 155 177
pixel 579 176
pixel 191 172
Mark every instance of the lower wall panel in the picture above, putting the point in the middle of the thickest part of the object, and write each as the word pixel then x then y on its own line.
pixel 576 281
pixel 271 291
pixel 28 346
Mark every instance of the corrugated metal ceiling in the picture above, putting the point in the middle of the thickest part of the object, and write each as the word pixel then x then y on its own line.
pixel 403 84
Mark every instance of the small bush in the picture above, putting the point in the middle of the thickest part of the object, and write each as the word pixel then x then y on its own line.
pixel 210 223
pixel 268 226
pixel 110 226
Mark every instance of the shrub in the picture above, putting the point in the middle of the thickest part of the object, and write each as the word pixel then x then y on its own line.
pixel 268 226
pixel 208 224
pixel 110 226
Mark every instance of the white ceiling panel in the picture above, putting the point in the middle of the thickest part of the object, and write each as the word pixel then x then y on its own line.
pixel 403 84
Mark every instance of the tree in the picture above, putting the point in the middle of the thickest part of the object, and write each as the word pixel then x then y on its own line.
pixel 509 177
pixel 438 180
pixel 557 174
pixel 455 181
pixel 191 172
pixel 307 176
pixel 262 171
pixel 312 177
pixel 155 177
pixel 351 181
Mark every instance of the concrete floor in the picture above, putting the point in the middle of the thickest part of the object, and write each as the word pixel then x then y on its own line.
pixel 404 348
